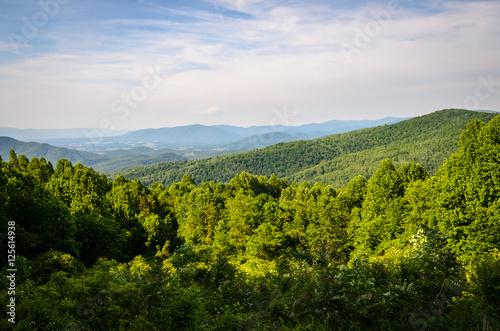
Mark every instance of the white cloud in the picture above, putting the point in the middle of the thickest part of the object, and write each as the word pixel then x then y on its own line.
pixel 13 47
pixel 208 111
pixel 242 5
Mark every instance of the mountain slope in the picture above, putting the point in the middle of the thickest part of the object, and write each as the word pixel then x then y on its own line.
pixel 112 161
pixel 335 159
pixel 181 135
pixel 49 152
pixel 264 140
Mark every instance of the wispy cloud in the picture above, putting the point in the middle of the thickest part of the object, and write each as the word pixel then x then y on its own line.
pixel 248 56
pixel 208 111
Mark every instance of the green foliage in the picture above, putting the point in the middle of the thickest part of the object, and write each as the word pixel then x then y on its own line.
pixel 484 290
pixel 379 224
pixel 399 251
pixel 468 190
pixel 42 221
pixel 82 189
pixel 99 237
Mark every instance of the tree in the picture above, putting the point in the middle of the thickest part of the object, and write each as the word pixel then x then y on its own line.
pixel 40 169
pixel 468 191
pixel 42 220
pixel 411 171
pixel 199 213
pixel 266 242
pixel 13 159
pixel 244 215
pixel 186 185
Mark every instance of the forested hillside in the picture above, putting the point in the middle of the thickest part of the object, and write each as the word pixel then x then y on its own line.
pixel 334 160
pixel 48 152
pixel 401 250
pixel 108 162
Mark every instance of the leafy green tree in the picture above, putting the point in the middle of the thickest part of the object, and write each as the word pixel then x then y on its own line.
pixel 411 172
pixel 186 185
pixel 82 189
pixel 244 215
pixel 484 291
pixel 42 221
pixel 99 237
pixel 298 203
pixel 64 168
pixel 22 162
pixel 88 191
pixel 266 242
pixel 419 204
pixel 468 190
pixel 132 205
pixel 161 233
pixel 378 223
pixel 13 161
pixel 353 195
pixel 40 169
pixel 327 233
pixel 199 213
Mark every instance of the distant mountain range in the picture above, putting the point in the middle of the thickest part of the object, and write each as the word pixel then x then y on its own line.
pixel 117 150
pixel 192 141
pixel 240 138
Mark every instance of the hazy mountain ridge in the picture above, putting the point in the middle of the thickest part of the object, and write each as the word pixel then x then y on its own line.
pixel 213 140
pixel 219 136
pixel 112 161
pixel 45 135
pixel 49 152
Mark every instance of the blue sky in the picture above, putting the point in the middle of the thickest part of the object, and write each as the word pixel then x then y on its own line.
pixel 148 63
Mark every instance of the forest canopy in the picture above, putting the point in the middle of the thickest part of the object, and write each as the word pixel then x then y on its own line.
pixel 399 250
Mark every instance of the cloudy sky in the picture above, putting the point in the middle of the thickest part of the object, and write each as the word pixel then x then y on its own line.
pixel 148 63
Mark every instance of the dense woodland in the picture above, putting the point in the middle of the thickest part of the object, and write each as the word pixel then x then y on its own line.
pixel 334 160
pixel 401 250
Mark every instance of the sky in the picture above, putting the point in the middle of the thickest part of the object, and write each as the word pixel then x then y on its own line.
pixel 135 64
